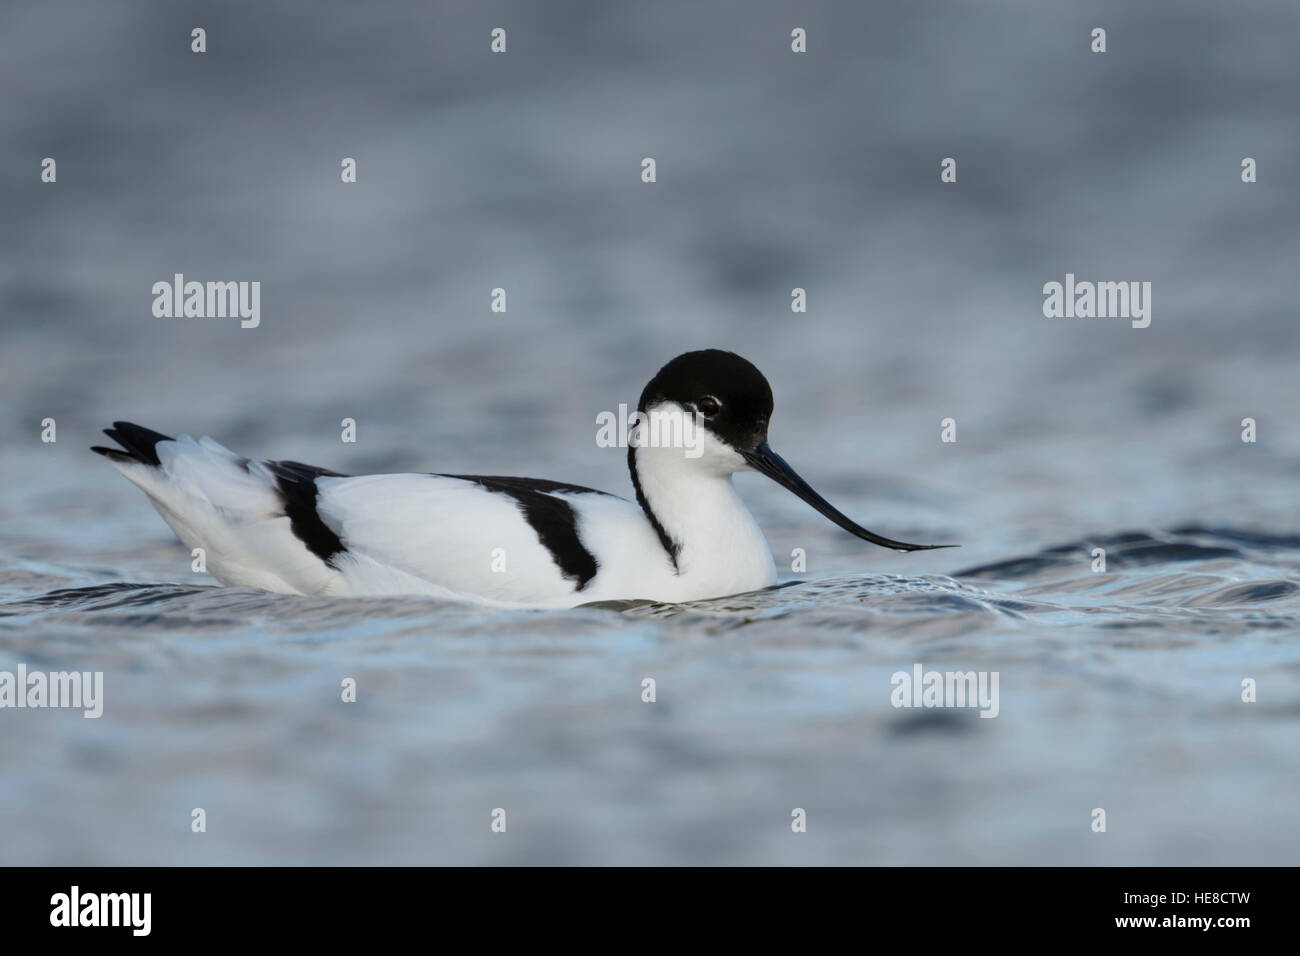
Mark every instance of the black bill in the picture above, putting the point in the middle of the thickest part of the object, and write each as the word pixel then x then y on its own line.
pixel 763 459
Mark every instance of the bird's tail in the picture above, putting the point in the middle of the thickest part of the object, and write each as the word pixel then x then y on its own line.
pixel 255 520
pixel 139 444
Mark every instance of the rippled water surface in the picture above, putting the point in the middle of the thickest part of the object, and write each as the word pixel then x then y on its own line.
pixel 1120 688
pixel 1117 690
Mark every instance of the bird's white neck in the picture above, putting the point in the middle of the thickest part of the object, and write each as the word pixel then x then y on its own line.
pixel 716 544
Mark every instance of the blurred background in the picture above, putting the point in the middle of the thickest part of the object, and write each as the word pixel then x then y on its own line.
pixel 775 170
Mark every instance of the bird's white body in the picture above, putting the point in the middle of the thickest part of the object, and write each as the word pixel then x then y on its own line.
pixel 451 538
pixel 510 542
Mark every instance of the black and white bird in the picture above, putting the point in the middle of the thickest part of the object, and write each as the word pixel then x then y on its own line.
pixel 509 542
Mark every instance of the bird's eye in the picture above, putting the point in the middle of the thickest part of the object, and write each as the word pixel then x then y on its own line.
pixel 708 406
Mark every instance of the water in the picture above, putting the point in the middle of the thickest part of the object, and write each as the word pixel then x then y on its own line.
pixel 1120 690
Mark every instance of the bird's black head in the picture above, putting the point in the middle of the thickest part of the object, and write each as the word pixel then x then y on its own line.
pixel 732 397
pixel 734 403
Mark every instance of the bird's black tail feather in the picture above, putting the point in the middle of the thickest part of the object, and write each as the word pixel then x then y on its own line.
pixel 139 443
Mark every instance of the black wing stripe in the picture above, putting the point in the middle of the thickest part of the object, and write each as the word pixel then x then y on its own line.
pixel 552 518
pixel 296 484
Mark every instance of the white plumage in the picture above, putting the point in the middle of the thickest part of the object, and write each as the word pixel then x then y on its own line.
pixel 510 542
pixel 437 535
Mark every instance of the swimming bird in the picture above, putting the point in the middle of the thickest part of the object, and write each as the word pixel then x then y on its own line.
pixel 287 527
